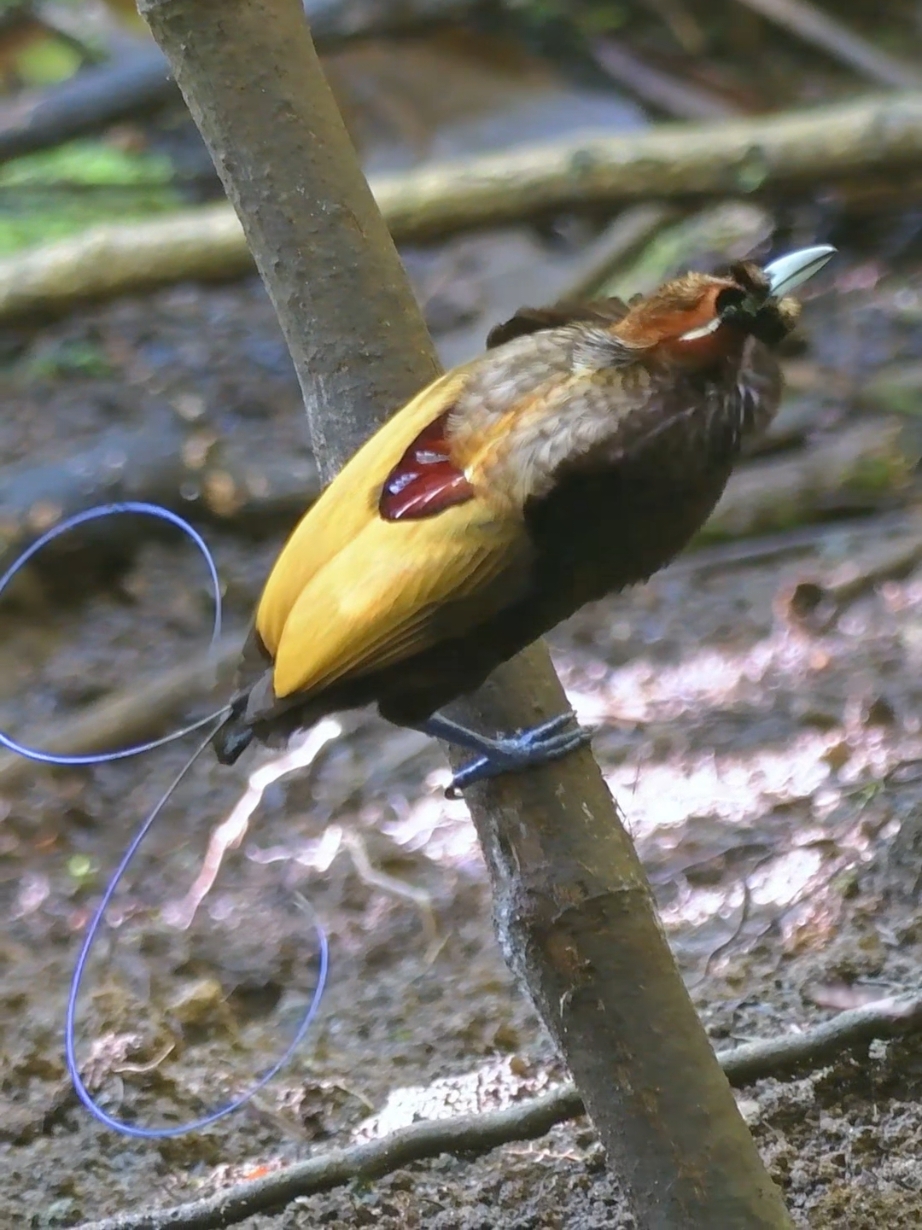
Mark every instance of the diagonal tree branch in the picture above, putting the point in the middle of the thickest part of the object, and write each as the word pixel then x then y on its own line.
pixel 573 909
pixel 474 1134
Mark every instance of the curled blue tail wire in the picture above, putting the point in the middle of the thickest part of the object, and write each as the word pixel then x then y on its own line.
pixel 95 514
pixel 193 1125
pixel 214 721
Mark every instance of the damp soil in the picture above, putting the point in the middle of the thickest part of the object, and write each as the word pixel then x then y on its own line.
pixel 768 765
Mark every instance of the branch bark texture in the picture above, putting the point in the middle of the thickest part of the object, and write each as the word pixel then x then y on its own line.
pixel 573 908
pixel 786 151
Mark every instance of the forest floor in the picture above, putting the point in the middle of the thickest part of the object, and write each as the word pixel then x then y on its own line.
pixel 767 759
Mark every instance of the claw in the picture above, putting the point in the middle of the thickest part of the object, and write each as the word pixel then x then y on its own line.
pixel 536 733
pixel 534 746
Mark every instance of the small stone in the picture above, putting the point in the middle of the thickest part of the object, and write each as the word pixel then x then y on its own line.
pixel 837 755
pixel 878 712
pixel 189 406
pixel 750 1109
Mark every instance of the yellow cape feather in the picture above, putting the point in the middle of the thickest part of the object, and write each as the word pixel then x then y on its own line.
pixel 398 588
pixel 351 593
pixel 346 505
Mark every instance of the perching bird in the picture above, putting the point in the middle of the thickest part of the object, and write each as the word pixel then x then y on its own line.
pixel 577 456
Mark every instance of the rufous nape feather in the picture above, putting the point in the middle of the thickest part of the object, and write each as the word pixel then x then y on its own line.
pixel 576 457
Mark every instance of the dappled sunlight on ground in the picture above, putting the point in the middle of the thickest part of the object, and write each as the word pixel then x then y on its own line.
pixel 736 788
pixel 645 688
pixel 492 1086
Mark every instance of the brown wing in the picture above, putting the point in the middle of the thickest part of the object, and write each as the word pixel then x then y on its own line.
pixel 532 320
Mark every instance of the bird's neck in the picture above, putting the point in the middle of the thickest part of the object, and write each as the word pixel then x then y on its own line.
pixel 719 352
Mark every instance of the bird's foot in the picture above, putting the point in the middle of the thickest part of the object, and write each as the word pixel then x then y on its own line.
pixel 535 745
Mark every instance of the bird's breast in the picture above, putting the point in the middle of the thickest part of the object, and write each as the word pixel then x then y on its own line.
pixel 623 509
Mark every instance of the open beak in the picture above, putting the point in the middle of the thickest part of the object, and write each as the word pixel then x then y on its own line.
pixel 788 272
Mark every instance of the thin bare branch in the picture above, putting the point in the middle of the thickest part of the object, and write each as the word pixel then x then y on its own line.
pixel 778 1057
pixel 117 719
pixel 138 78
pixel 815 26
pixel 658 89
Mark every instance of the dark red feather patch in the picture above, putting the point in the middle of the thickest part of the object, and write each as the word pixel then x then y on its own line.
pixel 425 481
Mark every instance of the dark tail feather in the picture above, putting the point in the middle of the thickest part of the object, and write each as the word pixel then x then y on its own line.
pixel 234 735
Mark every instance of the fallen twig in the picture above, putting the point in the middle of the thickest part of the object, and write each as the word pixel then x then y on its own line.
pixel 789 151
pixel 161 462
pixel 99 95
pixel 858 468
pixel 139 79
pixel 722 232
pixel 815 603
pixel 776 1057
pixel 595 267
pixel 883 563
pixel 126 715
pixel 824 31
pixel 112 259
pixel 476 1134
pixel 675 98
pixel 462 1134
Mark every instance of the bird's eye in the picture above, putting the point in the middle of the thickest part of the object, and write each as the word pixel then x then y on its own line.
pixel 729 299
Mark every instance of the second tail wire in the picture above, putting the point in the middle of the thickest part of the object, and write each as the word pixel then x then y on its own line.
pixel 213 721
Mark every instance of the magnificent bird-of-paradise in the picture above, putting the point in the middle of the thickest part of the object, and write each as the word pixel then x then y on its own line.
pixel 577 456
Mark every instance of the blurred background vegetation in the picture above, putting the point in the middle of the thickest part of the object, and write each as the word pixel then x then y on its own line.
pixel 757 704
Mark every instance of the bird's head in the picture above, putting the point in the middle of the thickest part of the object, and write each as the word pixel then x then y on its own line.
pixel 700 319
